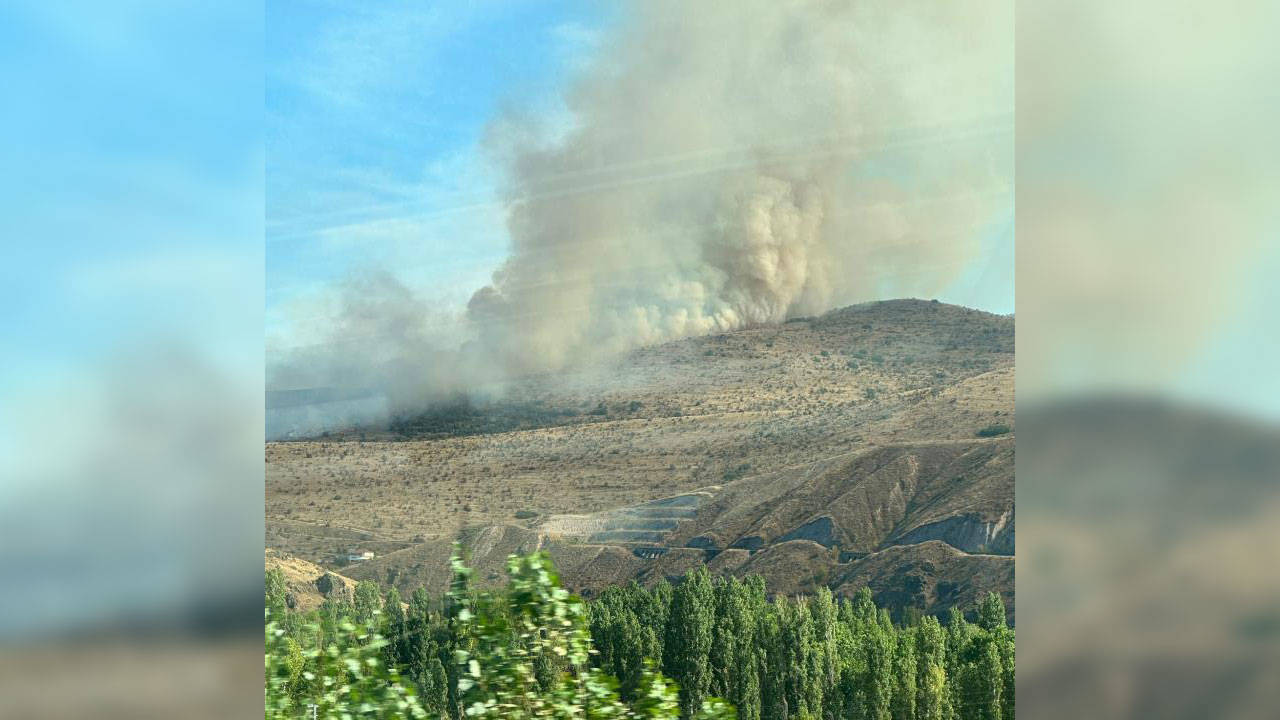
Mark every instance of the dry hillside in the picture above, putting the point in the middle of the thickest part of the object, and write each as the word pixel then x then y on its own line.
pixel 842 450
pixel 308 584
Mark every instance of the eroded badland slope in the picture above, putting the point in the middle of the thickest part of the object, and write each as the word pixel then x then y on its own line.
pixel 871 445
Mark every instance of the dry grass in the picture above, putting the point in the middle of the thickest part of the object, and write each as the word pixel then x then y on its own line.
pixel 772 402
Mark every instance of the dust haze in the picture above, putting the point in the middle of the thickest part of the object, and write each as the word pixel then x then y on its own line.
pixel 722 165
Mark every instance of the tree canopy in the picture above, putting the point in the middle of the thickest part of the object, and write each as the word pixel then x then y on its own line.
pixel 534 650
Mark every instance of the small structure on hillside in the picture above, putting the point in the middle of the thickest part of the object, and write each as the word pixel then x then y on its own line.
pixel 649 552
pixel 360 557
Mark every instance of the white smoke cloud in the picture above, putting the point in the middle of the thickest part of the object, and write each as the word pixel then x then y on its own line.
pixel 719 155
pixel 732 164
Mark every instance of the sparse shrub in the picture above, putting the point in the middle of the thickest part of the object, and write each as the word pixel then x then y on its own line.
pixel 525 514
pixel 993 430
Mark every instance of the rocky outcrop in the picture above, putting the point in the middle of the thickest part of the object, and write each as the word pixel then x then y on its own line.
pixel 706 544
pixel 821 530
pixel 969 533
pixel 330 584
pixel 751 543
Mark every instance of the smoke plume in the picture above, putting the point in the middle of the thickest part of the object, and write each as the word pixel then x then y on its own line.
pixel 732 164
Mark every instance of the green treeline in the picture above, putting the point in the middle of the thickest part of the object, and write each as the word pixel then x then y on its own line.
pixel 813 657
pixel 533 650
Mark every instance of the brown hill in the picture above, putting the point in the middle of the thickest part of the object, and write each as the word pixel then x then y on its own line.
pixel 309 584
pixel 841 450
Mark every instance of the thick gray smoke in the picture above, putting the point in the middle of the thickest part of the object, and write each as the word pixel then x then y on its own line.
pixel 731 164
pixel 737 163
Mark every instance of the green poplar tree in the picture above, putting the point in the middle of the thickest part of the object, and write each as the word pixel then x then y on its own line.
pixel 720 657
pixel 864 609
pixel 877 681
pixel 823 612
pixel 959 641
pixel 394 628
pixel 982 681
pixel 932 702
pixel 277 594
pixel 842 702
pixel 991 613
pixel 790 650
pixel 422 655
pixel 735 655
pixel 774 667
pixel 368 602
pixel 1007 662
pixel 688 639
pixel 992 619
pixel 807 679
pixel 905 681
pixel 654 611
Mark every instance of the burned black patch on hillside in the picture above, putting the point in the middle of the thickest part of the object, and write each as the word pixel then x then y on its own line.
pixel 463 418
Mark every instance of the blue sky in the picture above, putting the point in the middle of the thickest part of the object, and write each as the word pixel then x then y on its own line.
pixel 375 122
pixel 376 116
pixel 131 278
pixel 132 154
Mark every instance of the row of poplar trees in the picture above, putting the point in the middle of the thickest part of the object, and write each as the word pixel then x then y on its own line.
pixel 521 653
pixel 816 657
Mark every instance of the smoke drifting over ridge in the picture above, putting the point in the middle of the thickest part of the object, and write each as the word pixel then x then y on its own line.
pixel 726 165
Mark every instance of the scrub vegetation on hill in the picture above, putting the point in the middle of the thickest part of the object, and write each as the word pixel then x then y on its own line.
pixel 839 451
